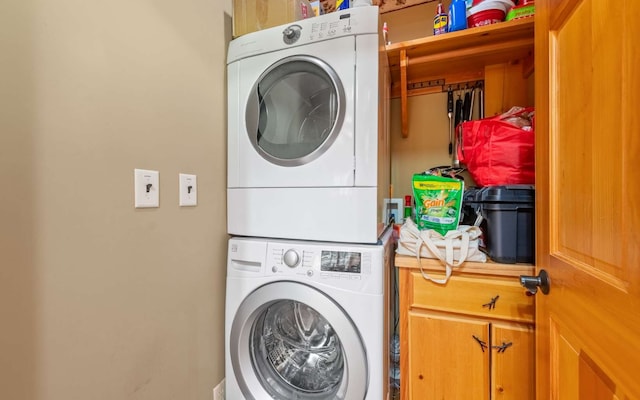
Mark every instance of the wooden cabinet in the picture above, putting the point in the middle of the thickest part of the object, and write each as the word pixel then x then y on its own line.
pixel 471 338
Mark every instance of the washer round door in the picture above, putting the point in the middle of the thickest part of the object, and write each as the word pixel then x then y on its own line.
pixel 291 341
pixel 295 110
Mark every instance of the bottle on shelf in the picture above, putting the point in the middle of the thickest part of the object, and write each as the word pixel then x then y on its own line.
pixel 457 15
pixel 408 207
pixel 440 21
pixel 385 34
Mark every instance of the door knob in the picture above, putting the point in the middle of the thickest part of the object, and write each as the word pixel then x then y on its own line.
pixel 532 283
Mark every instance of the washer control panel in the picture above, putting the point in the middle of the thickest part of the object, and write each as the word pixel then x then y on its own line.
pixel 353 267
pixel 319 263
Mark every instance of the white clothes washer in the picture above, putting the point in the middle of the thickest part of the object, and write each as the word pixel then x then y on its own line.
pixel 308 132
pixel 306 320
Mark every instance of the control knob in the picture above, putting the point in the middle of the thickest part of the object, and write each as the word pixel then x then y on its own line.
pixel 291 34
pixel 291 258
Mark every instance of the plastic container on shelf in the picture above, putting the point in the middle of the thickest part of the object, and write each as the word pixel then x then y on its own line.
pixel 457 15
pixel 486 17
pixel 342 4
pixel 487 12
pixel 522 10
pixel 504 5
pixel 470 206
pixel 509 214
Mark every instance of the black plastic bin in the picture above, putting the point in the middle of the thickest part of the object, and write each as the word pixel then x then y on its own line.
pixel 509 213
pixel 470 205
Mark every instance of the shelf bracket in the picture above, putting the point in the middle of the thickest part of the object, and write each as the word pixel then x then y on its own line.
pixel 404 61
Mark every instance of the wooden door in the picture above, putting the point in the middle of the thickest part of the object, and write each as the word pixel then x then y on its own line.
pixel 588 217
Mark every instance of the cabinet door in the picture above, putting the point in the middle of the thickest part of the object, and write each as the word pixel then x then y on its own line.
pixel 512 367
pixel 448 358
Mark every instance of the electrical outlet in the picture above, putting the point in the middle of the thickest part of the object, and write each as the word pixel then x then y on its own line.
pixel 218 391
pixel 146 188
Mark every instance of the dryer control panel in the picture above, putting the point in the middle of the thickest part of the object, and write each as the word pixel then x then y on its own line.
pixel 321 29
pixel 349 22
pixel 324 29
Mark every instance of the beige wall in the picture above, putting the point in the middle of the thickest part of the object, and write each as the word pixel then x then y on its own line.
pixel 99 300
pixel 411 22
pixel 427 145
pixel 428 142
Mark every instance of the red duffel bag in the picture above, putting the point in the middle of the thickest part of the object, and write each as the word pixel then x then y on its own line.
pixel 499 150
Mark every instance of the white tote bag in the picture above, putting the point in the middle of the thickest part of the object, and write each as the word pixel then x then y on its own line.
pixel 454 248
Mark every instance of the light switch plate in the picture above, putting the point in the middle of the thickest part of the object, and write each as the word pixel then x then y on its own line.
pixel 188 190
pixel 146 188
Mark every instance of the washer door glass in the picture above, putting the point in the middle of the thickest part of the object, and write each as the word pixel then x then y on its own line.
pixel 294 347
pixel 289 340
pixel 295 110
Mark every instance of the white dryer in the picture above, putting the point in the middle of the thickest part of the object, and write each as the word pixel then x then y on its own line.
pixel 305 320
pixel 308 149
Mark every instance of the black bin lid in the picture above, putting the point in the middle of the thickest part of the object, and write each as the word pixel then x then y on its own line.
pixel 508 194
pixel 472 195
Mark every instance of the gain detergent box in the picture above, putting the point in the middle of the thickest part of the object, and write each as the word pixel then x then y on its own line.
pixel 438 202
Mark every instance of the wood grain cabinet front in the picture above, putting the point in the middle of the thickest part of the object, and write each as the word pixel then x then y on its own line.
pixel 472 338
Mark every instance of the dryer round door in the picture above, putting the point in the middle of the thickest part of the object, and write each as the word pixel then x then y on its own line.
pixel 291 341
pixel 295 110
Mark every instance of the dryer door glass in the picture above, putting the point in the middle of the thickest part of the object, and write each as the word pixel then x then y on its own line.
pixel 296 350
pixel 295 110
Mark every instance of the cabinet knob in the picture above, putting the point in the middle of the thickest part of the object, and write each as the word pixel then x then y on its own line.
pixel 503 347
pixel 482 343
pixel 492 303
pixel 532 283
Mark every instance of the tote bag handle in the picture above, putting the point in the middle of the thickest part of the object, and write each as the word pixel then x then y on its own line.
pixel 425 239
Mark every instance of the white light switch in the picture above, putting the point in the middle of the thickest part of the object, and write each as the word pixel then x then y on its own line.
pixel 188 190
pixel 146 188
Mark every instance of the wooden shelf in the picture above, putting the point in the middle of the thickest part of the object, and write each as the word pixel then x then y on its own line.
pixel 428 64
pixel 458 52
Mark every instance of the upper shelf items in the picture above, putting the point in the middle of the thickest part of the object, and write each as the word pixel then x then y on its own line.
pixel 458 57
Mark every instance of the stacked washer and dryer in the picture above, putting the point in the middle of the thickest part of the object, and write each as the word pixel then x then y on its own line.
pixel 308 272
